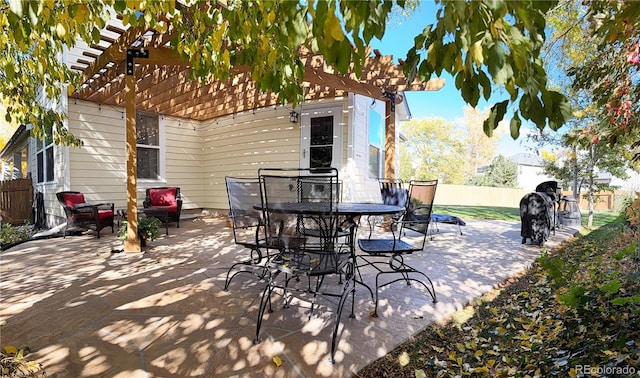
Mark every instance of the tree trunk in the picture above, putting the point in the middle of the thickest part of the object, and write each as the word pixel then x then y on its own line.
pixel 575 187
pixel 591 180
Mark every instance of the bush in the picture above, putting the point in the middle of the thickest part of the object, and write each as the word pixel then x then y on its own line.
pixel 14 364
pixel 10 234
pixel 632 213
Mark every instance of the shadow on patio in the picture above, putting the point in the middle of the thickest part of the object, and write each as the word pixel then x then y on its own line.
pixel 84 311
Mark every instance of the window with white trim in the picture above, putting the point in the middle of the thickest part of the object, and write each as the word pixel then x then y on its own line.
pixel 148 146
pixel 45 162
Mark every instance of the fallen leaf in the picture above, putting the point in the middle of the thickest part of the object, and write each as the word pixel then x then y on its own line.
pixel 10 350
pixel 277 361
pixel 404 359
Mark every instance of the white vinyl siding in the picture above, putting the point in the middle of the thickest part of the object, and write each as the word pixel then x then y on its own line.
pixel 98 168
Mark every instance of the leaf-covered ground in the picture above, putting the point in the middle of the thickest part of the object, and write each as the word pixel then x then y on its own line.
pixel 575 313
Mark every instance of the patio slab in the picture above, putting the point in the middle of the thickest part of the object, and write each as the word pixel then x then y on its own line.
pixel 85 311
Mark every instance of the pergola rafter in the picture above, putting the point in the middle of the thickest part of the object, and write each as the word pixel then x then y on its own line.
pixel 134 68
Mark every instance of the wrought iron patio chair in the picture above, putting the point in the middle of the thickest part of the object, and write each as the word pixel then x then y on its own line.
pixel 85 215
pixel 309 252
pixel 392 192
pixel 387 255
pixel 248 228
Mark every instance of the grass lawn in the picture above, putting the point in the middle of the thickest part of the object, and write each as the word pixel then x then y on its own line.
pixel 575 310
pixel 600 218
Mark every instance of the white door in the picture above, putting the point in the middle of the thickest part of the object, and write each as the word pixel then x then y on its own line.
pixel 321 138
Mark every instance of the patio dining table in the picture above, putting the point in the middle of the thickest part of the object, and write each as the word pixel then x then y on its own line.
pixel 350 211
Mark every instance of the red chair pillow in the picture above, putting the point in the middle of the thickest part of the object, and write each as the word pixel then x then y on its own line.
pixel 72 199
pixel 163 197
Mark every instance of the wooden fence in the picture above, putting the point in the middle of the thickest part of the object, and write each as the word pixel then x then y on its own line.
pixel 505 197
pixel 16 200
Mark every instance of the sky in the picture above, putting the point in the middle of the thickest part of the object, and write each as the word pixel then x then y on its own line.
pixel 447 102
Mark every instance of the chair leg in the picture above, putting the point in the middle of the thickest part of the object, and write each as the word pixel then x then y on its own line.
pixel 253 263
pixel 343 298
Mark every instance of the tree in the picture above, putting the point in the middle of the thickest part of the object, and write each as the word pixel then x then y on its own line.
pixel 502 173
pixel 6 129
pixel 482 43
pixel 582 156
pixel 266 36
pixel 479 148
pixel 581 162
pixel 611 72
pixel 433 149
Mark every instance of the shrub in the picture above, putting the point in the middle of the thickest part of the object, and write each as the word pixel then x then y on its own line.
pixel 10 234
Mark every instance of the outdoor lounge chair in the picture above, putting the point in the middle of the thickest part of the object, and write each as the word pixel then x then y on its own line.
pixel 165 197
pixel 81 214
pixel 387 255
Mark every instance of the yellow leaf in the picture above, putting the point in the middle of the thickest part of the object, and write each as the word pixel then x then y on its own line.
pixel 10 350
pixel 478 353
pixel 61 31
pixel 333 28
pixel 501 330
pixel 490 363
pixel 226 58
pixel 419 373
pixel 437 349
pixel 277 361
pixel 476 53
pixel 460 347
pixel 404 359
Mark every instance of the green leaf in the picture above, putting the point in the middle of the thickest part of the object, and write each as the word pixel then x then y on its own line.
pixel 344 56
pixel 621 301
pixel 484 81
pixel 514 126
pixel 495 116
pixel 612 287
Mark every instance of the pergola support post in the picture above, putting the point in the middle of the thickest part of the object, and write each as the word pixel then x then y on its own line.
pixel 390 135
pixel 132 242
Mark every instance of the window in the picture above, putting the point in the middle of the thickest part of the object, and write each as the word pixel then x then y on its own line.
pixel 45 157
pixel 376 144
pixel 148 146
pixel 321 142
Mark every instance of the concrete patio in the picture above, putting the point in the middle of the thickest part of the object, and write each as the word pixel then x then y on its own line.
pixel 85 311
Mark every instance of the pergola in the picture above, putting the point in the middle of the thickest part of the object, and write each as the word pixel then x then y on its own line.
pixel 134 68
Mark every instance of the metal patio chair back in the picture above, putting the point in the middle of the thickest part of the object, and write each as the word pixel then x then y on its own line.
pixel 247 224
pixel 387 254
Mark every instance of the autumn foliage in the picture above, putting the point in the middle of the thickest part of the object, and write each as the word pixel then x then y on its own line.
pixel 575 309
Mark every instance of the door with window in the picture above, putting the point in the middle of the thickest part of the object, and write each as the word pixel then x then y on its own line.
pixel 321 138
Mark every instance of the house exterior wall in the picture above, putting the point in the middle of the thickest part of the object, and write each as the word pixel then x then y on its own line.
pixel 98 168
pixel 198 155
pixel 241 144
pixel 358 186
pixel 530 176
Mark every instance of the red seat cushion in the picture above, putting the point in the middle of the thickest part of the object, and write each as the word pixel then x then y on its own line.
pixel 102 214
pixel 105 214
pixel 72 199
pixel 163 197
